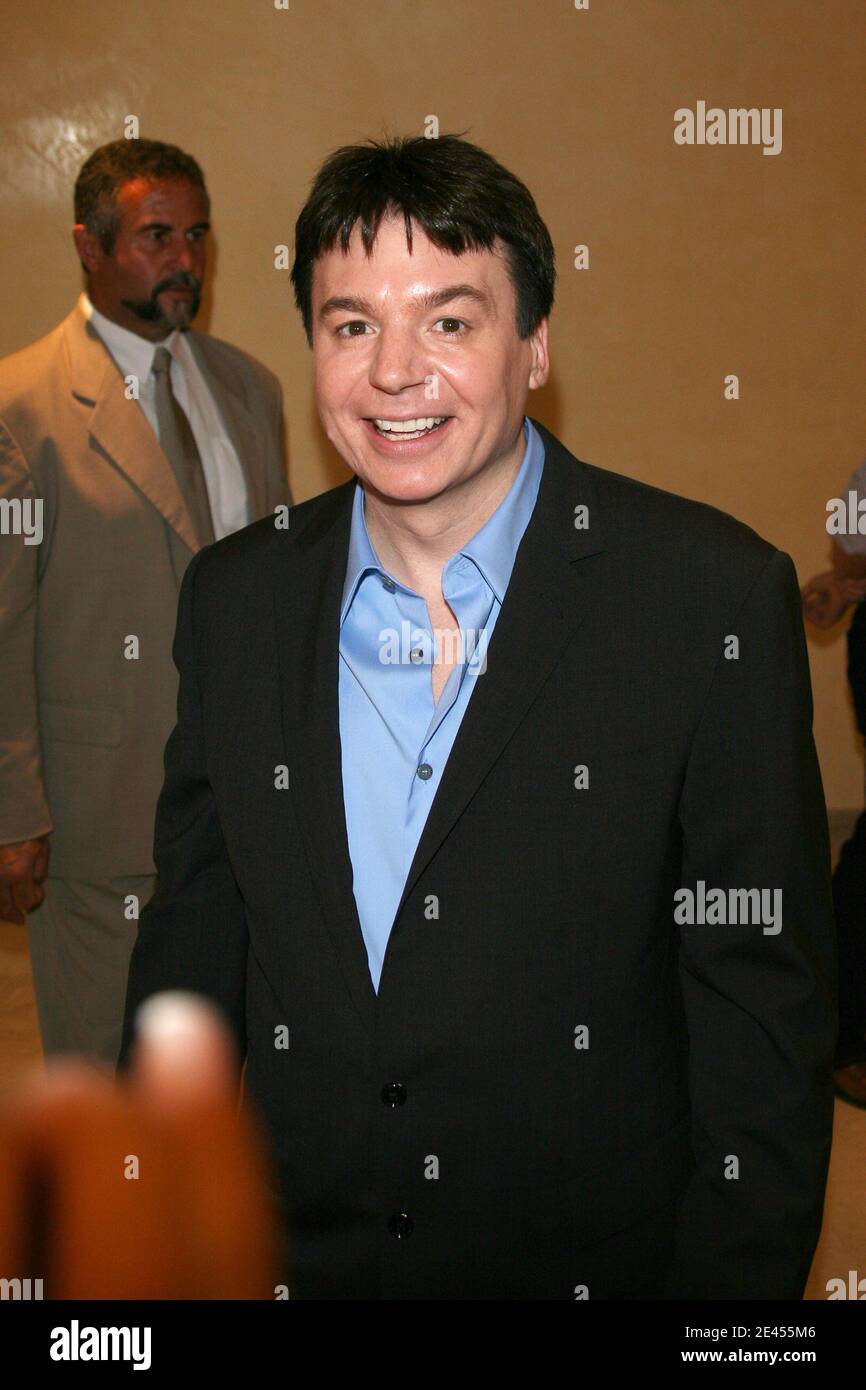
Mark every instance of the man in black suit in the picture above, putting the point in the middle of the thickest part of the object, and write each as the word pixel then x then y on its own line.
pixel 530 955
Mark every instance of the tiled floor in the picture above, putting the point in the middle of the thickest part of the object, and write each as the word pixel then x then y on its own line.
pixel 843 1238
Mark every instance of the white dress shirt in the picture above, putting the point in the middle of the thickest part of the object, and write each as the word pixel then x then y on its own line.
pixel 224 476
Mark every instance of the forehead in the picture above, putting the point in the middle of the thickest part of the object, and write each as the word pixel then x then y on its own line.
pixel 391 268
pixel 166 200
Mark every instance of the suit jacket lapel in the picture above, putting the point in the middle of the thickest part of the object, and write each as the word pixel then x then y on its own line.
pixel 120 428
pixel 545 603
pixel 307 597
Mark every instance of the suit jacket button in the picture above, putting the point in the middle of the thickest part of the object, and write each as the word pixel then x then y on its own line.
pixel 401 1225
pixel 394 1094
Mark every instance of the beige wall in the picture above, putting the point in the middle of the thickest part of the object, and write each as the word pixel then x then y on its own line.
pixel 704 260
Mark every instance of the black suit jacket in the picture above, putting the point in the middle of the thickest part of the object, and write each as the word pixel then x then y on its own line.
pixel 558 1090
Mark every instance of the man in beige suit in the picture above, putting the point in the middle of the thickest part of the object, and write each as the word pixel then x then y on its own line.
pixel 126 443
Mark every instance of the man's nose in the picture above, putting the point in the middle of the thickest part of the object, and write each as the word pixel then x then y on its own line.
pixel 398 360
pixel 187 255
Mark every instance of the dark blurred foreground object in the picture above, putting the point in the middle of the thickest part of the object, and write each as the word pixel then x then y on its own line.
pixel 849 901
pixel 195 1223
pixel 826 598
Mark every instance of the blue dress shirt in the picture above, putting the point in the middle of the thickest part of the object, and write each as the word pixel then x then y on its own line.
pixel 395 741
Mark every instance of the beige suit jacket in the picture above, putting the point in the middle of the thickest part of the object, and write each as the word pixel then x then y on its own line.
pixel 83 719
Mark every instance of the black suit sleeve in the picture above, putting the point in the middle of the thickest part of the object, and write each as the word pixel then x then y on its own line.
pixel 760 1006
pixel 192 935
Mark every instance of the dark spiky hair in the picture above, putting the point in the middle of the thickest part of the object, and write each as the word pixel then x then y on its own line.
pixel 111 166
pixel 460 196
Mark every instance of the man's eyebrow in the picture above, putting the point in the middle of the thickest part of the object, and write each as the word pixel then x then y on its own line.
pixel 168 227
pixel 433 299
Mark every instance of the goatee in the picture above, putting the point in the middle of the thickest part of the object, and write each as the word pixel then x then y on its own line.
pixel 183 311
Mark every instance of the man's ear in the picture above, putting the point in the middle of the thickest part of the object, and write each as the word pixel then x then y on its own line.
pixel 90 253
pixel 540 369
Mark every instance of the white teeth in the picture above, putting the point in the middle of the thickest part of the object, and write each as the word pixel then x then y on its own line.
pixel 409 426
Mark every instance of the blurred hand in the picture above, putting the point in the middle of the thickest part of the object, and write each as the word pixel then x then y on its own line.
pixel 23 866
pixel 826 597
pixel 154 1188
pixel 853 589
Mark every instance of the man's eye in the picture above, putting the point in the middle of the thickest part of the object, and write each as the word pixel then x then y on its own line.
pixel 451 332
pixel 355 323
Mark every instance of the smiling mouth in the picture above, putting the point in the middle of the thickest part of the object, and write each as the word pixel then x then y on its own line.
pixel 404 430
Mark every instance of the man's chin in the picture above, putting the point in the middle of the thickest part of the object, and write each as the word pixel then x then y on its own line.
pixel 403 487
pixel 179 313
pixel 165 312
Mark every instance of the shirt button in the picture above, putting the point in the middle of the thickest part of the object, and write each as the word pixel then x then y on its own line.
pixel 394 1094
pixel 416 654
pixel 425 772
pixel 401 1225
pixel 389 585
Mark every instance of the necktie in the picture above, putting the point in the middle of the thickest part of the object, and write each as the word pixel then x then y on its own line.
pixel 178 443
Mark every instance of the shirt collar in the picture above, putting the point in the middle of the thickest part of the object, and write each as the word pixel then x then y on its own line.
pixel 493 548
pixel 132 353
